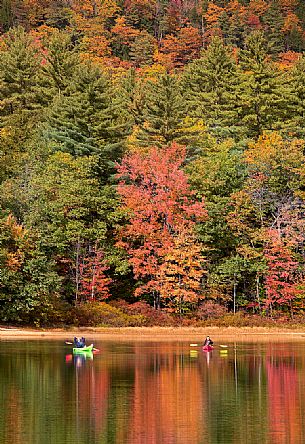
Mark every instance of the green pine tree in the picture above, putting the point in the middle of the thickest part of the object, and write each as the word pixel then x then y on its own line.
pixel 60 67
pixel 273 20
pixel 6 15
pixel 295 124
pixel 163 116
pixel 264 90
pixel 295 40
pixel 20 107
pixel 236 31
pixel 87 119
pixel 224 22
pixel 211 90
pixel 13 13
pixel 142 49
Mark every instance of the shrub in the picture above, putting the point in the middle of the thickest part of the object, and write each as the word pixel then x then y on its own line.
pixel 54 314
pixel 210 310
pixel 100 314
pixel 151 316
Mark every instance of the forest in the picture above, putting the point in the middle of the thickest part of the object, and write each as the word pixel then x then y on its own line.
pixel 152 162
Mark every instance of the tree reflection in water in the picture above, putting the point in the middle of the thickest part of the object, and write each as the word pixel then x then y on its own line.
pixel 152 393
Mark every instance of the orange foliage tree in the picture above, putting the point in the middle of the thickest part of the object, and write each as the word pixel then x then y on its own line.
pixel 182 271
pixel 211 18
pixel 93 282
pixel 89 18
pixel 162 211
pixel 183 47
pixel 281 277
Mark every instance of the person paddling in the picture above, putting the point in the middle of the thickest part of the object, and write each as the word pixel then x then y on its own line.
pixel 208 342
pixel 79 342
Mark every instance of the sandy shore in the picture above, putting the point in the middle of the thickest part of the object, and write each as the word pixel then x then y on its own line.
pixel 230 334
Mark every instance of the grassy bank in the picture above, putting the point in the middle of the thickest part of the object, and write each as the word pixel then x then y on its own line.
pixel 230 334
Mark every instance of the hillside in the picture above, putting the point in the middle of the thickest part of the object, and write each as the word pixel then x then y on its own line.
pixel 151 156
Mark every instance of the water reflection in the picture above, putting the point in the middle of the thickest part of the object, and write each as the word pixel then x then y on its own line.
pixel 79 359
pixel 153 393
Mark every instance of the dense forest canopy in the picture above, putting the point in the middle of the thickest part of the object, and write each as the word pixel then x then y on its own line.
pixel 151 151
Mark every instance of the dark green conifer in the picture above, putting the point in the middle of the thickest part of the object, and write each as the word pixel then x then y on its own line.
pixel 163 115
pixel 60 67
pixel 263 90
pixel 295 40
pixel 19 68
pixel 295 124
pixel 142 49
pixel 273 20
pixel 86 119
pixel 6 15
pixel 211 90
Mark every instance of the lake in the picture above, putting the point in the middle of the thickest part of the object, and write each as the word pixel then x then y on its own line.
pixel 152 393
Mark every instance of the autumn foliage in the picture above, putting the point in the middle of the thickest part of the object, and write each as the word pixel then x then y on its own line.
pixel 152 152
pixel 162 210
pixel 281 277
pixel 94 284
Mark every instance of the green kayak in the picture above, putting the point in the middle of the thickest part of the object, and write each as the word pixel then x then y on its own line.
pixel 87 349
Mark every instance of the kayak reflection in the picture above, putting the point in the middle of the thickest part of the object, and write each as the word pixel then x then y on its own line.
pixel 80 359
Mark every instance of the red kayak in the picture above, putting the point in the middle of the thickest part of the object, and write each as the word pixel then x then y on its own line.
pixel 207 348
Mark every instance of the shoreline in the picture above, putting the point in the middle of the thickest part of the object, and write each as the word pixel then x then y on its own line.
pixel 230 334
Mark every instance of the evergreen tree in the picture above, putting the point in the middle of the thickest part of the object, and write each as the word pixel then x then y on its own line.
pixel 142 49
pixel 19 67
pixel 6 16
pixel 20 105
pixel 60 68
pixel 163 116
pixel 295 39
pixel 211 90
pixel 264 91
pixel 224 22
pixel 13 13
pixel 217 174
pixel 273 20
pixel 295 124
pixel 86 119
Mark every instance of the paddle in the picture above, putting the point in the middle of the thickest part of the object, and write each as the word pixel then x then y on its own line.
pixel 71 343
pixel 198 345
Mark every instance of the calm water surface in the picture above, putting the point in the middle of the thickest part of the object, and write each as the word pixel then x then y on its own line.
pixel 152 393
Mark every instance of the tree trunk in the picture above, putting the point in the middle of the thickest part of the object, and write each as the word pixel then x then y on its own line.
pixel 93 283
pixel 291 310
pixel 77 271
pixel 203 32
pixel 234 294
pixel 257 293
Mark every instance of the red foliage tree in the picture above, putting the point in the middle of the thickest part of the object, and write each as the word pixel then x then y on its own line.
pixel 160 205
pixel 94 284
pixel 280 282
pixel 253 21
pixel 183 47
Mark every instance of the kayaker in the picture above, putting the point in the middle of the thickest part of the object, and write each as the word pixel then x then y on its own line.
pixel 207 341
pixel 79 342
